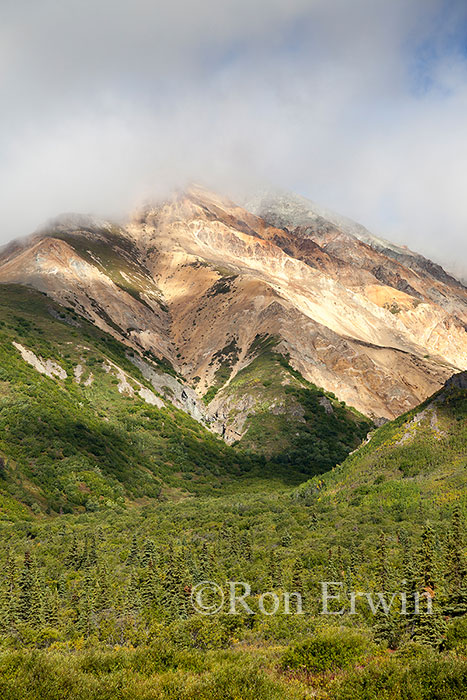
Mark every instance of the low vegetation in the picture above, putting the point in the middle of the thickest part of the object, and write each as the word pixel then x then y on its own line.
pixel 112 511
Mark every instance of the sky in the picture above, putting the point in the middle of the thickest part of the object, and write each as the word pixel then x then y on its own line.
pixel 360 105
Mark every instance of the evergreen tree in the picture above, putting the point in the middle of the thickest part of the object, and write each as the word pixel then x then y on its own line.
pixel 409 589
pixel 73 558
pixel 384 628
pixel 91 550
pixel 4 610
pixel 103 592
pixel 85 620
pixel 353 559
pixel 147 586
pixel 149 553
pixel 245 546
pixel 297 576
pixel 52 608
pixel 429 626
pixel 204 568
pixel 273 576
pixel 36 612
pixel 11 589
pixel 61 586
pixel 332 569
pixel 176 587
pixel 340 562
pixel 133 557
pixel 133 597
pixel 455 568
pixel 25 587
pixel 313 523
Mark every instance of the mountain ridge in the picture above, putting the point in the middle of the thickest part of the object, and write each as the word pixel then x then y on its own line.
pixel 196 278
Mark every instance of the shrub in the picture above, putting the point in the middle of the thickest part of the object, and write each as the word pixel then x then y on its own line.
pixel 456 636
pixel 429 677
pixel 329 650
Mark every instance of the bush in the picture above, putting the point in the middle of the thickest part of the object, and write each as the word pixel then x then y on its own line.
pixel 456 635
pixel 429 677
pixel 329 650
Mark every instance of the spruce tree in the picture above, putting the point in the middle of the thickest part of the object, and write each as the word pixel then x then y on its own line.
pixel 429 626
pixel 298 576
pixel 133 597
pixel 36 612
pixel 73 559
pixel 273 576
pixel 204 569
pixel 245 546
pixel 61 586
pixel 147 586
pixel 11 588
pixel 52 608
pixel 410 590
pixel 176 587
pixel 332 569
pixel 4 610
pixel 103 591
pixel 149 553
pixel 455 568
pixel 384 628
pixel 86 621
pixel 313 524
pixel 133 557
pixel 25 587
pixel 91 553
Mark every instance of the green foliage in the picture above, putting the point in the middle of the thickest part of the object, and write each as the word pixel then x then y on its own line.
pixel 456 635
pixel 66 445
pixel 293 422
pixel 427 678
pixel 328 650
pixel 129 506
pixel 155 673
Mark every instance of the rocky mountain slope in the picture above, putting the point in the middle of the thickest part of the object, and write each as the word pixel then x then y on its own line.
pixel 86 423
pixel 205 288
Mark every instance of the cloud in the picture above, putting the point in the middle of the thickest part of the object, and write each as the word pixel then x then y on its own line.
pixel 359 106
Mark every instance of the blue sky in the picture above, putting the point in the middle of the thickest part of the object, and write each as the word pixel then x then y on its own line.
pixel 358 105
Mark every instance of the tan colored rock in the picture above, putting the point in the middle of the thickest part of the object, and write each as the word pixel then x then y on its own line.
pixel 48 367
pixel 197 278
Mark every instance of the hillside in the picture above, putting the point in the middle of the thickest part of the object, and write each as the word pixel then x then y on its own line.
pixel 410 470
pixel 196 280
pixel 97 604
pixel 87 423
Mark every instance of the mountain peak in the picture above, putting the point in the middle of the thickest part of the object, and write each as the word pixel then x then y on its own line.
pixel 201 282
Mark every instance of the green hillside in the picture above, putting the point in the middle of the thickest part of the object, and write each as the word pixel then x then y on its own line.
pixel 411 469
pixel 287 418
pixel 113 510
pixel 84 438
pixel 66 444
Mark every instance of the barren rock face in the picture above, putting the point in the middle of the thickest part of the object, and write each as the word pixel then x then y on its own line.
pixel 196 280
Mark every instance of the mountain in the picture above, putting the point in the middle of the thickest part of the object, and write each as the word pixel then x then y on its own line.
pixel 172 413
pixel 207 289
pixel 88 423
pixel 308 219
